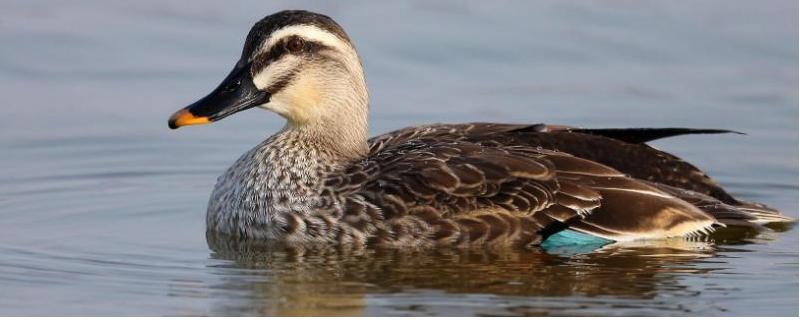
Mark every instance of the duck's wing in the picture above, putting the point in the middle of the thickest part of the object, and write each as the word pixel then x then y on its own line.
pixel 432 189
pixel 621 149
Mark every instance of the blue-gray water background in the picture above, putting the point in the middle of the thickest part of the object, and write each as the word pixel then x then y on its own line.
pixel 102 207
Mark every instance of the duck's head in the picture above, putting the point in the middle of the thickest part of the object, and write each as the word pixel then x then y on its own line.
pixel 299 64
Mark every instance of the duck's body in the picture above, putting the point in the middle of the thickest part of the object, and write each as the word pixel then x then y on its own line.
pixel 320 180
pixel 469 184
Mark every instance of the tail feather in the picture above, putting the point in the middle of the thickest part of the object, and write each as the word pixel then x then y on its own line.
pixel 642 135
pixel 763 213
pixel 747 214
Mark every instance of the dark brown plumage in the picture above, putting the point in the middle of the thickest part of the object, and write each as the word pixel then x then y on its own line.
pixel 496 183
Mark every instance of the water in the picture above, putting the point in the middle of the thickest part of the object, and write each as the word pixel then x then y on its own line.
pixel 102 207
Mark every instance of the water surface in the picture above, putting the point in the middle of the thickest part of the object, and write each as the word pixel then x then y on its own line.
pixel 102 207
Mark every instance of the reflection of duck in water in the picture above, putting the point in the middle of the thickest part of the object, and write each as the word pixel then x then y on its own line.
pixel 321 180
pixel 335 280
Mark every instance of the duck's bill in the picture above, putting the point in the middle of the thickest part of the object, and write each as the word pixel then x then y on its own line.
pixel 236 93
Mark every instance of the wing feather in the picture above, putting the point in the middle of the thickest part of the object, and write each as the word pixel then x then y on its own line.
pixel 500 183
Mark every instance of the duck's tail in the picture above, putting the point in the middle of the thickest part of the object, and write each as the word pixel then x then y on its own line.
pixel 744 213
pixel 642 135
pixel 763 214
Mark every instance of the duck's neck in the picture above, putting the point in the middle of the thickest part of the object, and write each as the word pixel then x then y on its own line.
pixel 327 108
pixel 330 138
pixel 323 133
pixel 293 162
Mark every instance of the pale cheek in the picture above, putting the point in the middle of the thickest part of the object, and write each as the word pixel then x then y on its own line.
pixel 298 102
pixel 304 92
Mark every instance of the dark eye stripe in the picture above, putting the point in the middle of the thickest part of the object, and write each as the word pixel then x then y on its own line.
pixel 279 49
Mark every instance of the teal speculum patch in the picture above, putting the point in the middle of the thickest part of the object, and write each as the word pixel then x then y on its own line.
pixel 569 241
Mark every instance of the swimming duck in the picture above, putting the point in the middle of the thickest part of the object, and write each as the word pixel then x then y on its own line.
pixel 321 179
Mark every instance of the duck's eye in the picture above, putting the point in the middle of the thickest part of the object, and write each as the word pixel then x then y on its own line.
pixel 295 44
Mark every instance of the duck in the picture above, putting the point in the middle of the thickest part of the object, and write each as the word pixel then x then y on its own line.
pixel 321 180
